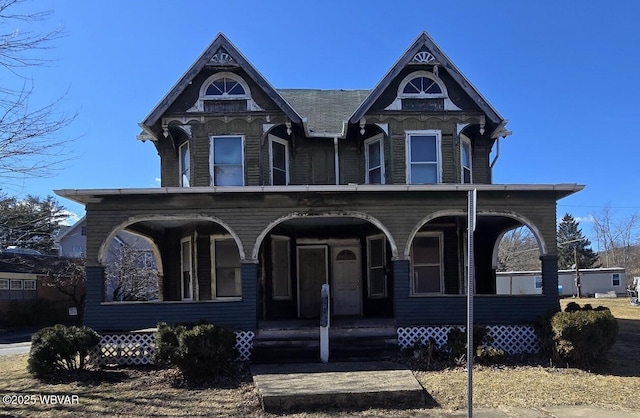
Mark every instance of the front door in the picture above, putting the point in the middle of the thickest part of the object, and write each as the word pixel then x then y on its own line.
pixel 346 288
pixel 312 274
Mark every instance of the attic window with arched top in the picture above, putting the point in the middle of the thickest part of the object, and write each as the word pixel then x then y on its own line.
pixel 421 84
pixel 225 87
pixel 225 92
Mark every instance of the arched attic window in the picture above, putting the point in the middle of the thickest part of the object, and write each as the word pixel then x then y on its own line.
pixel 225 92
pixel 225 88
pixel 422 91
pixel 422 87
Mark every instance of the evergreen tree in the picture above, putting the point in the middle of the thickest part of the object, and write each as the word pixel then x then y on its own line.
pixel 30 223
pixel 570 239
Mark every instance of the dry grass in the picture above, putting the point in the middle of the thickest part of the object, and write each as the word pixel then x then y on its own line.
pixel 615 383
pixel 145 392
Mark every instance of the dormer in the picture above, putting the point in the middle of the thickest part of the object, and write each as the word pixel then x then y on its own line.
pixel 225 92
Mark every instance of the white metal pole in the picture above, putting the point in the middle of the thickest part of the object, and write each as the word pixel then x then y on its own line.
pixel 324 324
pixel 471 227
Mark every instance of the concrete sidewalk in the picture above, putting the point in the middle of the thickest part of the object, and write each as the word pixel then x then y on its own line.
pixel 363 385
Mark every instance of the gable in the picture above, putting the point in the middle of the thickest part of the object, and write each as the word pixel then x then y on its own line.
pixel 220 56
pixel 426 59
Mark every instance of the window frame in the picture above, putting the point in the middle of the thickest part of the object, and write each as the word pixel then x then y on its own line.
pixel 212 166
pixel 384 294
pixel 538 280
pixel 274 139
pixel 225 96
pixel 464 141
pixel 238 273
pixel 273 282
pixel 409 164
pixel 440 236
pixel 188 240
pixel 422 95
pixel 380 140
pixel 181 168
pixel 613 278
pixel 17 282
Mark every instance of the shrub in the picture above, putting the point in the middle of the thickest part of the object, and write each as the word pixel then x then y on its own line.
pixel 197 350
pixel 579 335
pixel 456 344
pixel 60 348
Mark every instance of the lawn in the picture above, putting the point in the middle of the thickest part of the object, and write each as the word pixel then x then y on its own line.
pixel 145 391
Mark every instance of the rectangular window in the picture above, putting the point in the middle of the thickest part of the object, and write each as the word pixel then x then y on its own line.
pixel 16 284
pixel 615 279
pixel 279 161
pixel 280 268
pixel 29 289
pixel 537 282
pixel 423 157
pixel 426 264
pixel 226 268
pixel 465 160
pixel 376 260
pixel 187 269
pixel 185 165
pixel 4 289
pixel 227 161
pixel 374 161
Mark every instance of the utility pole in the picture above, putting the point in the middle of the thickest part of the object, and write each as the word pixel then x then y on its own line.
pixel 575 260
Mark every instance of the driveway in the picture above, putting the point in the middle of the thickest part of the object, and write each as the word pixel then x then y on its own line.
pixel 15 341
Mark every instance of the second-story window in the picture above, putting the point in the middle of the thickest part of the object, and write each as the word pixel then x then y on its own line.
pixel 226 161
pixel 374 161
pixel 279 161
pixel 465 160
pixel 185 171
pixel 423 157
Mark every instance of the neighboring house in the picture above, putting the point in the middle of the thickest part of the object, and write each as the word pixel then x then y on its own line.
pixel 26 294
pixel 592 281
pixel 72 240
pixel 267 194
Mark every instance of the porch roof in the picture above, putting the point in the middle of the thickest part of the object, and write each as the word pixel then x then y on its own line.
pixel 85 196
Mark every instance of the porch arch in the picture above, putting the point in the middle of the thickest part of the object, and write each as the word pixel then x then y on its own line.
pixel 104 247
pixel 508 214
pixel 359 215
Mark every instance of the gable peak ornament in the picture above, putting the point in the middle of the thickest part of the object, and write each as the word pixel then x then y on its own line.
pixel 423 57
pixel 221 57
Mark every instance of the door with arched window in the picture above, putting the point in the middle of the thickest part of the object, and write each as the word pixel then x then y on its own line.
pixel 347 280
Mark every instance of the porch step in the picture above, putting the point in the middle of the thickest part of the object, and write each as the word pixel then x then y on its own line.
pixel 303 345
pixel 349 386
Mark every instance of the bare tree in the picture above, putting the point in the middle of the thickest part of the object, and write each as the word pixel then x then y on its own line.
pixel 619 240
pixel 131 272
pixel 518 251
pixel 68 276
pixel 28 143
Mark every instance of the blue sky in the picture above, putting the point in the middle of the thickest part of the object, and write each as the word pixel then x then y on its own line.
pixel 563 72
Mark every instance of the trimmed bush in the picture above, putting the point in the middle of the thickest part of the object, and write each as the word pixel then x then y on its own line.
pixel 456 344
pixel 60 348
pixel 578 335
pixel 197 350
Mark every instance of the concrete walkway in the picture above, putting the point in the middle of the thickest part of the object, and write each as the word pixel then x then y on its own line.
pixel 360 386
pixel 291 387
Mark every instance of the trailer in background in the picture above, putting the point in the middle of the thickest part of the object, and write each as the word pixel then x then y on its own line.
pixel 592 281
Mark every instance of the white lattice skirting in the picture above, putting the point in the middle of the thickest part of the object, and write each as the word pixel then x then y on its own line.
pixel 137 348
pixel 513 339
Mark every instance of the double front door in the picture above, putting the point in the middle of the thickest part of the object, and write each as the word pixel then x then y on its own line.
pixel 314 264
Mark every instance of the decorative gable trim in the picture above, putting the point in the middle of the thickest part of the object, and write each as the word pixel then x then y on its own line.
pixel 425 51
pixel 220 53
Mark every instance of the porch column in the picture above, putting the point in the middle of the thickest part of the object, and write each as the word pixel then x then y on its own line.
pixel 249 271
pixel 93 299
pixel 401 309
pixel 549 275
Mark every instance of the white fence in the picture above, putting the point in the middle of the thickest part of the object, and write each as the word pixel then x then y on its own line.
pixel 137 348
pixel 513 339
